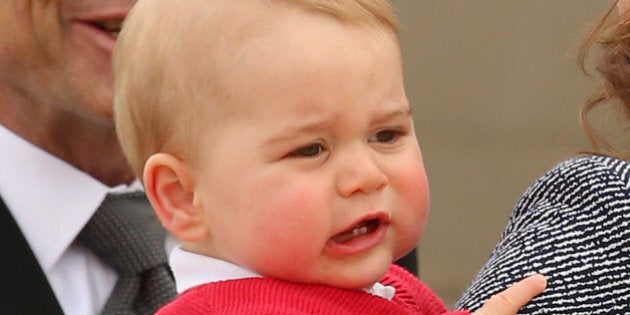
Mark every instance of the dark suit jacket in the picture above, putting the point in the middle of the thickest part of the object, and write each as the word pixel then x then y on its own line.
pixel 24 288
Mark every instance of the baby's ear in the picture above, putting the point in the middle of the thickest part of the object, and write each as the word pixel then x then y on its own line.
pixel 170 188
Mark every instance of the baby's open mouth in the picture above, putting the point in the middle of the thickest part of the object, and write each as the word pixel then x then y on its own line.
pixel 363 228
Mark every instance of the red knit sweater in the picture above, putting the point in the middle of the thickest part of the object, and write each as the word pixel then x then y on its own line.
pixel 270 296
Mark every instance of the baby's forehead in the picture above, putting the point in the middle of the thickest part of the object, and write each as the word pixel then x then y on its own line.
pixel 214 26
pixel 203 42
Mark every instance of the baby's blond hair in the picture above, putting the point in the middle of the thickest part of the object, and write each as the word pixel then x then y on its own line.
pixel 159 65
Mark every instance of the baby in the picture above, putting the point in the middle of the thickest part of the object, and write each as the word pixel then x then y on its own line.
pixel 275 141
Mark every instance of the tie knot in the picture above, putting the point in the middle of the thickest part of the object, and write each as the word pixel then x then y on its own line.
pixel 125 234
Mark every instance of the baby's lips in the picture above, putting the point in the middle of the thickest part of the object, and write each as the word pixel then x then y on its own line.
pixel 363 228
pixel 362 235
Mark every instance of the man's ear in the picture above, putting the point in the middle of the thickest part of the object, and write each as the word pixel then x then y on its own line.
pixel 169 185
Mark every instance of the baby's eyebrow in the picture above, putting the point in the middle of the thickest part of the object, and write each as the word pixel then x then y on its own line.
pixel 309 127
pixel 406 113
pixel 318 125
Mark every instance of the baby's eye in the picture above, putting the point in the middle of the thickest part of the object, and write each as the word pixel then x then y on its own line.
pixel 309 151
pixel 386 136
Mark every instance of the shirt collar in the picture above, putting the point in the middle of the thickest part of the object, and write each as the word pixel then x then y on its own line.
pixel 50 200
pixel 191 270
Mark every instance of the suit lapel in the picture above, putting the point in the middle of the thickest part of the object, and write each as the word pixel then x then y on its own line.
pixel 24 288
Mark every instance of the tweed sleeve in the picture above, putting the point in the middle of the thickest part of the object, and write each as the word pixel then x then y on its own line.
pixel 573 225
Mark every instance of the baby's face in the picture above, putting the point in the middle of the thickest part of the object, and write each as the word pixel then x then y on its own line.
pixel 318 177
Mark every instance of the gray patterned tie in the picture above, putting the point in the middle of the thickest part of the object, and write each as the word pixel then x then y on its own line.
pixel 125 234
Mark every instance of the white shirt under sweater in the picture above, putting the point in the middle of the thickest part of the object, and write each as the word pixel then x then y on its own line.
pixel 51 201
pixel 191 270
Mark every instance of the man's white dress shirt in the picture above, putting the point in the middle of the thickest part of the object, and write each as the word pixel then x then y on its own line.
pixel 51 201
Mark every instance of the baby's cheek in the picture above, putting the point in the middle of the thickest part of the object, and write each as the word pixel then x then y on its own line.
pixel 413 188
pixel 294 229
pixel 413 185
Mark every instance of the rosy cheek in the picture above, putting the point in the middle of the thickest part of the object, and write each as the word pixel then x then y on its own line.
pixel 413 187
pixel 413 183
pixel 298 213
pixel 294 223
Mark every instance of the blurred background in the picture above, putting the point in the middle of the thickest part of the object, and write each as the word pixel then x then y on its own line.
pixel 496 91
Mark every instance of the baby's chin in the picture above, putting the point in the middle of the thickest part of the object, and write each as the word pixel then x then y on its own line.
pixel 362 274
pixel 355 272
pixel 352 278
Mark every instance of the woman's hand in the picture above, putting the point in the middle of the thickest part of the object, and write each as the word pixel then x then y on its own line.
pixel 510 300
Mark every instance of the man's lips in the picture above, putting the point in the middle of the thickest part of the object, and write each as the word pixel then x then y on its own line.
pixel 105 20
pixel 99 30
pixel 109 26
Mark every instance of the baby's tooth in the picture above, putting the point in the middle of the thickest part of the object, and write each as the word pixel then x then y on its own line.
pixel 359 231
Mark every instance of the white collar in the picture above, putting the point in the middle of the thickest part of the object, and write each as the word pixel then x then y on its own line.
pixel 50 200
pixel 191 270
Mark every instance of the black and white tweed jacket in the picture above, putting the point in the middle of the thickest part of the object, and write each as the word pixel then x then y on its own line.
pixel 573 225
